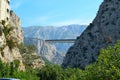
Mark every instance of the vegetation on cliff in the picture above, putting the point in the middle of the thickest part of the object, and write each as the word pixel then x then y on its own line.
pixel 17 60
pixel 8 31
pixel 11 71
pixel 107 67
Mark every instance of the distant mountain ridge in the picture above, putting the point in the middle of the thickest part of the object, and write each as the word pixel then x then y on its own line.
pixel 50 32
pixel 48 51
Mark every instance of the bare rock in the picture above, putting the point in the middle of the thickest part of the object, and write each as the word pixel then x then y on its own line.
pixel 102 32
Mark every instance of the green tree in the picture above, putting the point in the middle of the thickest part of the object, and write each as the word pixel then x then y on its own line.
pixel 107 66
pixel 50 72
pixel 28 49
pixel 31 48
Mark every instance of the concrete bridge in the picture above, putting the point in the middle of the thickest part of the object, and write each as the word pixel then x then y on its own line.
pixel 55 40
pixel 61 41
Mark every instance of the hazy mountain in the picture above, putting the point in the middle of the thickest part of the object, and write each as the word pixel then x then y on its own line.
pixel 50 32
pixel 52 52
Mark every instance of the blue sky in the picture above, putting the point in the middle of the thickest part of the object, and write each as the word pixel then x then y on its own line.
pixel 55 12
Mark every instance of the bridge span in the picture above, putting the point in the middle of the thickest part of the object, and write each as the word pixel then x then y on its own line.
pixel 61 40
pixel 54 40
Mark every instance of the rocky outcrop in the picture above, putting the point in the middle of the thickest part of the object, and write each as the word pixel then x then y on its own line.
pixel 11 38
pixel 102 32
pixel 16 23
pixel 46 51
pixel 8 45
pixel 33 60
pixel 50 53
pixel 9 48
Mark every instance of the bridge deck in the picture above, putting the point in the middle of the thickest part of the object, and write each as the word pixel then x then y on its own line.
pixel 55 40
pixel 61 41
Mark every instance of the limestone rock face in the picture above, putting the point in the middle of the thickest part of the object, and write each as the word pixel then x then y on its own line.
pixel 102 32
pixel 8 45
pixel 9 49
pixel 10 39
pixel 34 60
pixel 46 50
pixel 16 23
pixel 2 39
pixel 49 52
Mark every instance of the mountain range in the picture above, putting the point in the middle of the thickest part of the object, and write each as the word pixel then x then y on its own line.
pixel 53 52
pixel 50 32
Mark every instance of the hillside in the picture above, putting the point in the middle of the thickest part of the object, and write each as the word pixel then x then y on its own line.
pixel 102 32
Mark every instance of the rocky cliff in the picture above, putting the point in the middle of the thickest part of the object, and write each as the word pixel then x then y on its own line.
pixel 46 51
pixel 102 32
pixel 16 23
pixel 30 57
pixel 10 39
pixel 8 44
